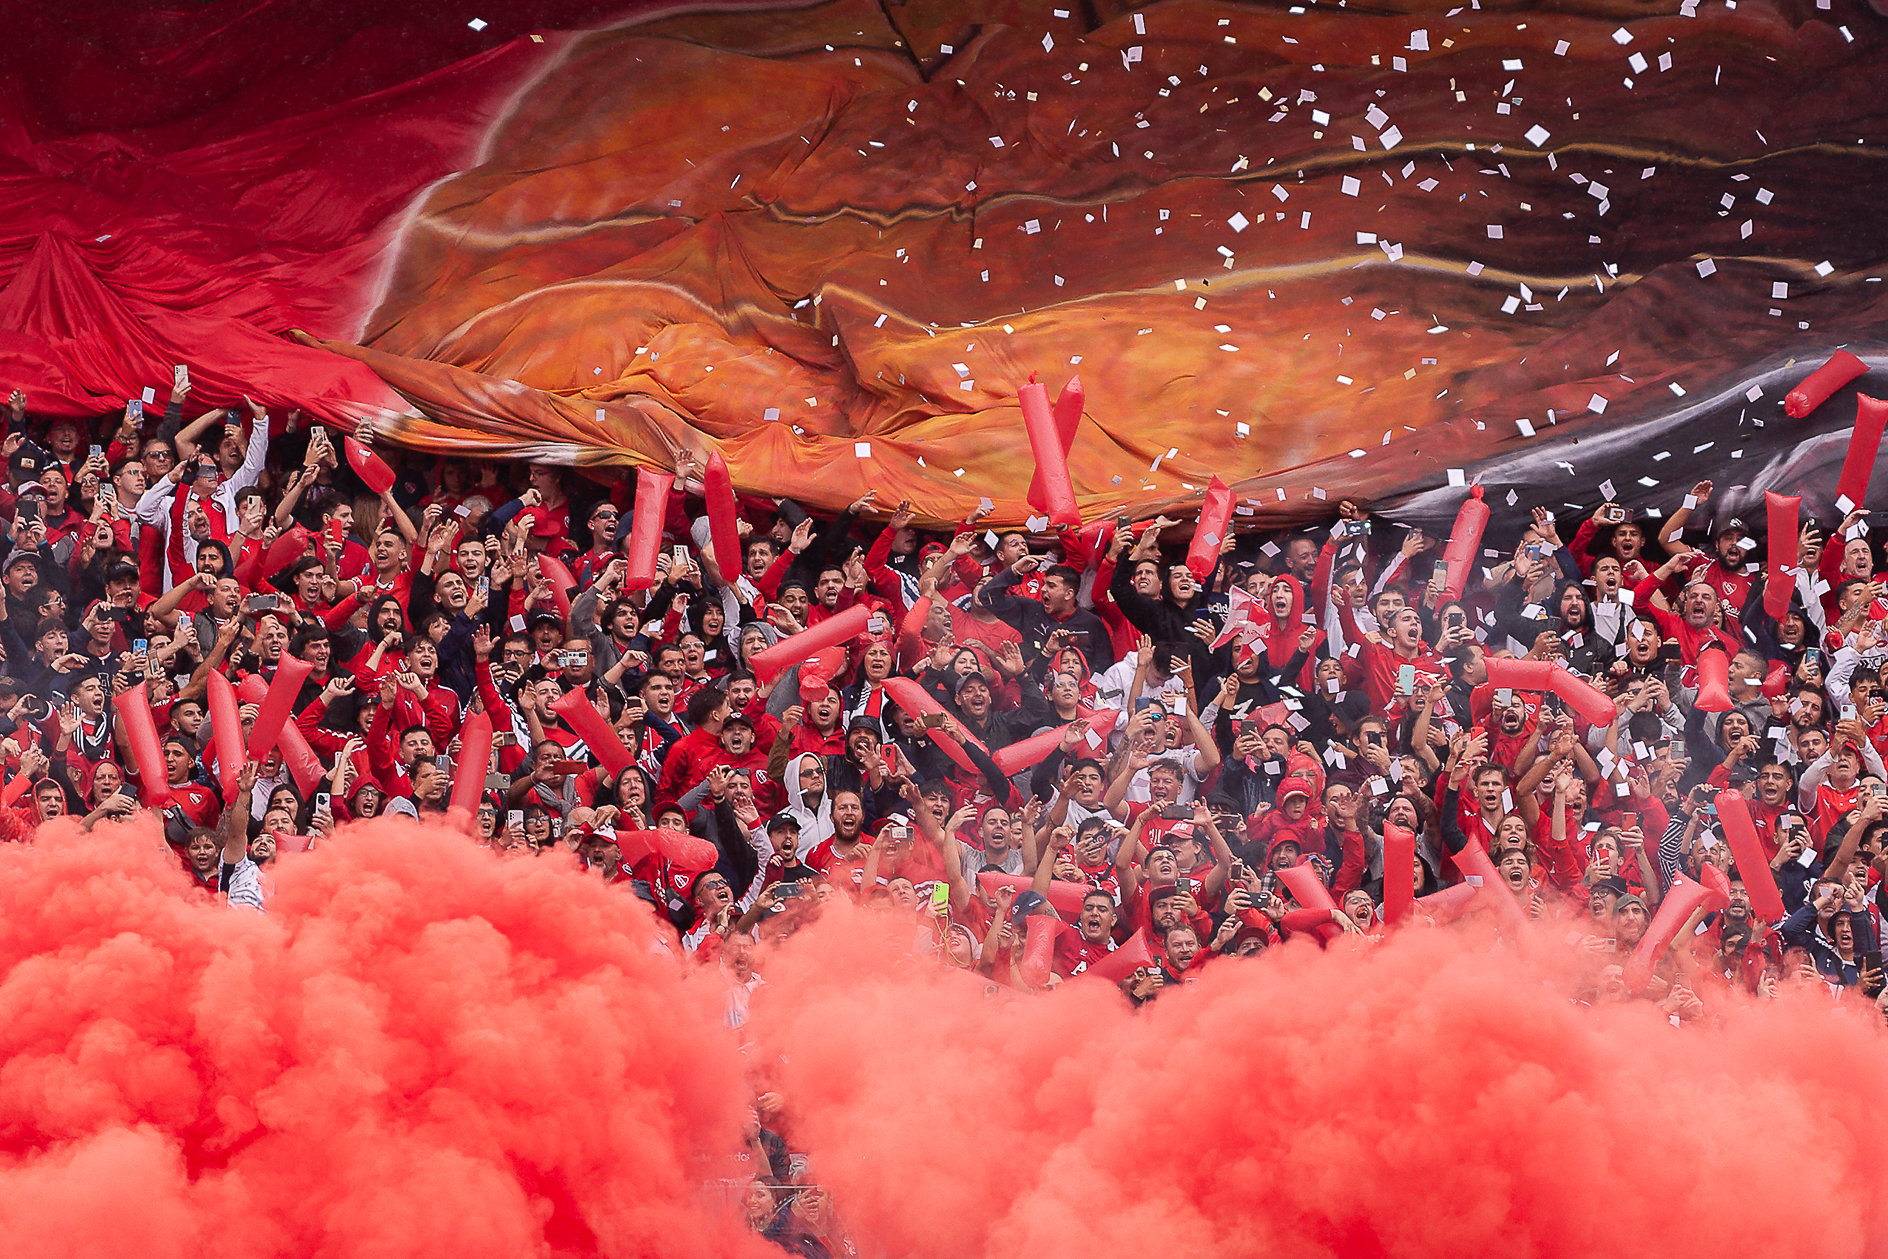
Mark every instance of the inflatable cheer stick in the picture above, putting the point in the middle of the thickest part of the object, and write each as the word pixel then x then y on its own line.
pixel 1465 541
pixel 1124 961
pixel 831 632
pixel 303 765
pixel 468 776
pixel 1039 948
pixel 684 852
pixel 581 715
pixel 1521 675
pixel 1781 510
pixel 226 727
pixel 1473 861
pixel 1019 756
pixel 1448 904
pixel 645 531
pixel 1052 463
pixel 277 709
pixel 1684 900
pixel 1399 872
pixel 262 565
pixel 1065 896
pixel 718 489
pixel 134 710
pixel 917 701
pixel 561 582
pixel 1864 444
pixel 1595 706
pixel 1714 679
pixel 1841 368
pixel 1310 893
pixel 1740 834
pixel 1215 518
pixel 368 466
pixel 1068 416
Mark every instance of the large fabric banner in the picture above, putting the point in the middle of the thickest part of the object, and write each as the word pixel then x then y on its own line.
pixel 1317 253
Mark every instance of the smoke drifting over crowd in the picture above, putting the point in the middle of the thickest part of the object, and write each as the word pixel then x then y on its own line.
pixel 424 1050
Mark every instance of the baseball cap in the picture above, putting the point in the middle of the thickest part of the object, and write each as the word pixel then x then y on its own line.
pixel 1293 787
pixel 781 820
pixel 31 459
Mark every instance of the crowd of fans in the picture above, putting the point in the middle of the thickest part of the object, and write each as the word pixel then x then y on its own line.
pixel 1200 737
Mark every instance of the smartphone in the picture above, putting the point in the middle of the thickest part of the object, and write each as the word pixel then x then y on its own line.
pixel 1871 960
pixel 28 509
pixel 514 819
pixel 504 739
pixel 890 758
pixel 180 374
pixel 322 801
pixel 1455 619
pixel 570 767
pixel 262 603
pixel 679 559
pixel 136 408
pixel 797 888
pixel 940 897
pixel 1406 679
pixel 1187 886
pixel 1628 821
pixel 140 645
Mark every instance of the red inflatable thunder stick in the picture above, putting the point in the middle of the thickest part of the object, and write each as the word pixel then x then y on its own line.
pixel 1310 893
pixel 1473 862
pixel 1039 948
pixel 1465 543
pixel 1399 872
pixel 1215 519
pixel 561 581
pixel 1052 461
pixel 917 701
pixel 718 488
pixel 468 776
pixel 834 631
pixel 1864 444
pixel 1065 896
pixel 1068 416
pixel 303 765
pixel 581 715
pixel 285 550
pixel 645 532
pixel 368 466
pixel 134 710
pixel 684 852
pixel 277 710
pixel 1017 757
pixel 226 727
pixel 1593 705
pixel 1781 511
pixel 1714 679
pixel 1740 834
pixel 1132 956
pixel 1686 898
pixel 1841 368
pixel 1521 675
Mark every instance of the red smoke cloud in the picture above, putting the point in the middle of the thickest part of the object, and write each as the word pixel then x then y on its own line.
pixel 1430 1097
pixel 422 1050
